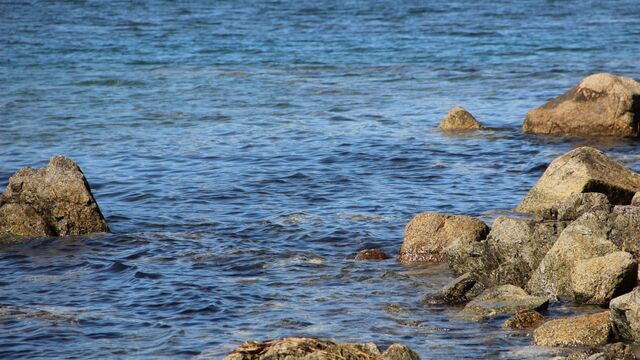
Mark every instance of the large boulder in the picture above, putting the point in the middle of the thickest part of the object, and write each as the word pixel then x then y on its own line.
pixel 598 280
pixel 428 234
pixel 51 201
pixel 585 238
pixel 504 299
pixel 586 330
pixel 581 170
pixel 318 349
pixel 625 315
pixel 459 119
pixel 600 105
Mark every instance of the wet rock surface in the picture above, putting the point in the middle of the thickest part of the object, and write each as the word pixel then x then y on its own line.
pixel 600 105
pixel 459 119
pixel 52 201
pixel 371 254
pixel 504 299
pixel 582 170
pixel 428 234
pixel 318 349
pixel 524 319
pixel 586 330
pixel 454 293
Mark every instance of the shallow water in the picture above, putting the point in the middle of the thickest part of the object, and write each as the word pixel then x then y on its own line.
pixel 242 152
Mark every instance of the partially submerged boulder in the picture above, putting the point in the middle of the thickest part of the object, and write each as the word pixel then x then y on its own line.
pixel 455 292
pixel 625 315
pixel 581 170
pixel 585 330
pixel 585 238
pixel 600 105
pixel 598 280
pixel 318 349
pixel 524 319
pixel 51 201
pixel 428 234
pixel 459 119
pixel 371 254
pixel 504 299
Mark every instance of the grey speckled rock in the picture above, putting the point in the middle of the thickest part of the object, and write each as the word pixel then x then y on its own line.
pixel 600 105
pixel 586 330
pixel 504 299
pixel 459 119
pixel 51 201
pixel 428 234
pixel 625 315
pixel 581 170
pixel 598 280
pixel 583 239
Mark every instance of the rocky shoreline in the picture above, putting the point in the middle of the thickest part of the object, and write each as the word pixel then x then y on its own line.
pixel 575 237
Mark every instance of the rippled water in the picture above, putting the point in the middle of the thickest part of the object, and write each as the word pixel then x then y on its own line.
pixel 242 152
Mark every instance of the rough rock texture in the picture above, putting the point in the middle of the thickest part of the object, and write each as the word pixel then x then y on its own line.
pixel 614 351
pixel 581 170
pixel 459 119
pixel 635 201
pixel 428 234
pixel 585 238
pixel 576 205
pixel 600 279
pixel 586 330
pixel 600 105
pixel 371 254
pixel 524 319
pixel 625 315
pixel 51 201
pixel 624 225
pixel 317 349
pixel 455 292
pixel 504 299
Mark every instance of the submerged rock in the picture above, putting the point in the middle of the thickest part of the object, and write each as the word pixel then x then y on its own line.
pixel 600 105
pixel 455 292
pixel 371 254
pixel 585 330
pixel 459 119
pixel 625 315
pixel 428 234
pixel 582 170
pixel 318 349
pixel 51 201
pixel 600 279
pixel 504 299
pixel 524 319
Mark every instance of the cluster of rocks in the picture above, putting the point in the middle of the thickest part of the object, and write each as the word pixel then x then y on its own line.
pixel 600 105
pixel 576 237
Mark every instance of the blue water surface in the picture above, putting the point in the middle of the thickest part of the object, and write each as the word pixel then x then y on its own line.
pixel 242 152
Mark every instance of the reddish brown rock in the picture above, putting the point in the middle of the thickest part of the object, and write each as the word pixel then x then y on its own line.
pixel 587 330
pixel 371 254
pixel 524 319
pixel 600 105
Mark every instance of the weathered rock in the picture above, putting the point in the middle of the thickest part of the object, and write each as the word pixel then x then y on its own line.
pixel 428 234
pixel 585 330
pixel 455 292
pixel 459 119
pixel 524 319
pixel 585 238
pixel 600 279
pixel 51 201
pixel 371 254
pixel 635 201
pixel 504 299
pixel 624 228
pixel 581 170
pixel 576 205
pixel 317 349
pixel 625 315
pixel 600 105
pixel 515 247
pixel 614 351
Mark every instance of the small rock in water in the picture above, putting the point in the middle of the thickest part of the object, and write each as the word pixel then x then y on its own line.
pixel 504 299
pixel 524 319
pixel 371 254
pixel 459 119
pixel 600 105
pixel 318 349
pixel 428 234
pixel 51 201
pixel 455 292
pixel 585 330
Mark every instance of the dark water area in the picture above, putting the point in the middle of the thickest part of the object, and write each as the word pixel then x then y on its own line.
pixel 242 152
